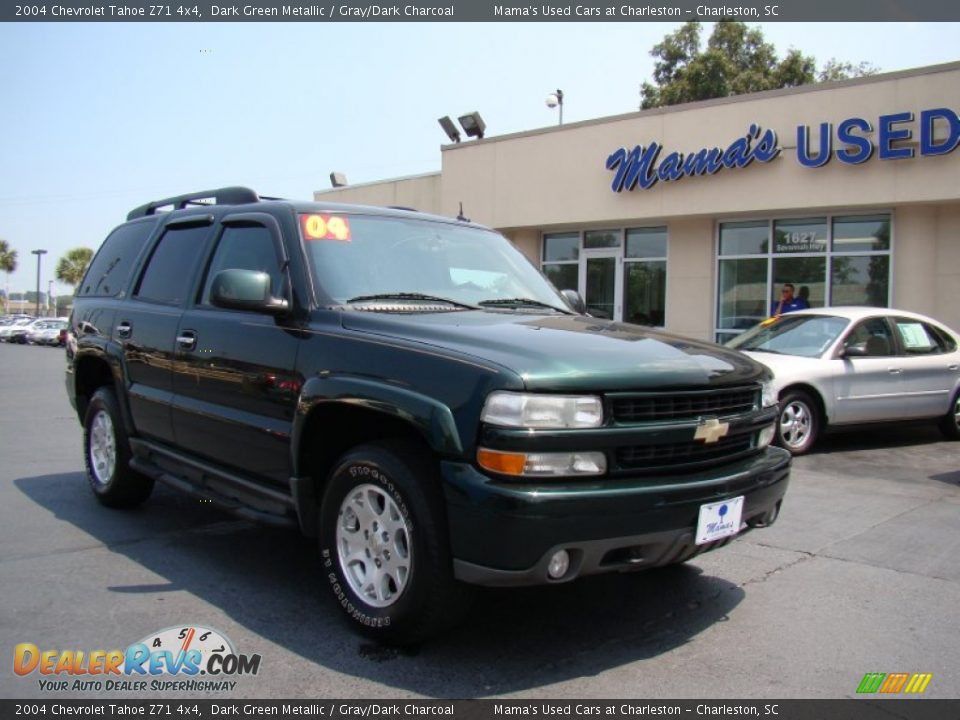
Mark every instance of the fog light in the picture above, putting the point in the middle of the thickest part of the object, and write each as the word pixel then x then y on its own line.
pixel 559 564
pixel 765 436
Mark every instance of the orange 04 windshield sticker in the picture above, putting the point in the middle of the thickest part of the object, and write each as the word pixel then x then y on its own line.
pixel 317 226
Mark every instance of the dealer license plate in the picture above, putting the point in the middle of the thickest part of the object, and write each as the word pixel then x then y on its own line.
pixel 719 520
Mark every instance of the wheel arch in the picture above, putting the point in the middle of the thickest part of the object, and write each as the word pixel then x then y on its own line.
pixel 335 415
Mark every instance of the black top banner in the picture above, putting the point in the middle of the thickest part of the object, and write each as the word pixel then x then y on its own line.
pixel 484 11
pixel 166 709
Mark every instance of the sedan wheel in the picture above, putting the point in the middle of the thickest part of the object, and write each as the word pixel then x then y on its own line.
pixel 799 423
pixel 950 423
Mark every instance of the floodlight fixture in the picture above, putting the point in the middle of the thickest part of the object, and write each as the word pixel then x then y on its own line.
pixel 473 124
pixel 449 128
pixel 338 179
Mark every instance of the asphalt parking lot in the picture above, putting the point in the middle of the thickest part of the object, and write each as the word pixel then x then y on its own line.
pixel 861 574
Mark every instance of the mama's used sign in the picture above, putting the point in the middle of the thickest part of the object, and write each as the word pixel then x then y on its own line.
pixel 851 143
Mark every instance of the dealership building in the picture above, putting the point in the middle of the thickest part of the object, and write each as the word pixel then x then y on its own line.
pixel 692 217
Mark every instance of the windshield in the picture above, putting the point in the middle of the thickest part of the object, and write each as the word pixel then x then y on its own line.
pixel 389 257
pixel 803 335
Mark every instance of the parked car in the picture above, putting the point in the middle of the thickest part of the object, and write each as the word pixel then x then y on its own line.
pixel 13 331
pixel 855 365
pixel 47 332
pixel 413 393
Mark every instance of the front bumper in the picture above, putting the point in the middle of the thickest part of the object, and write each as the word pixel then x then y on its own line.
pixel 503 533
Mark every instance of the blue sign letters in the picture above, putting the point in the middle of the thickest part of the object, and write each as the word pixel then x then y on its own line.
pixel 641 166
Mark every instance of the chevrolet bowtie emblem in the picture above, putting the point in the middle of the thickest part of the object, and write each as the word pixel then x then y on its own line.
pixel 710 431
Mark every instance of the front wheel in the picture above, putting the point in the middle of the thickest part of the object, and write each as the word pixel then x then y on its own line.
pixel 384 545
pixel 950 423
pixel 799 423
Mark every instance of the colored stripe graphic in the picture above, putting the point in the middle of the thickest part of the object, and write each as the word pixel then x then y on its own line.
pixel 894 683
pixel 918 683
pixel 871 682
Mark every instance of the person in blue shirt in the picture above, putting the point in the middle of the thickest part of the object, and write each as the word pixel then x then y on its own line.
pixel 787 302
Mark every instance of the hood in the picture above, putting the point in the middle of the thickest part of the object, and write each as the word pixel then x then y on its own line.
pixel 787 369
pixel 568 352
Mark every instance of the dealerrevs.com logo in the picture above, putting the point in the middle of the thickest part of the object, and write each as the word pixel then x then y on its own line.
pixel 182 658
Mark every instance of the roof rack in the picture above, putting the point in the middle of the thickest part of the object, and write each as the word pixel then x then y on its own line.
pixel 220 196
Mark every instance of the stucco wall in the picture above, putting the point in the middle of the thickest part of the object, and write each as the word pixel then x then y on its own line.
pixel 421 193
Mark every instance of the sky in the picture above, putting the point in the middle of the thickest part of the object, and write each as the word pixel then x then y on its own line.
pixel 96 119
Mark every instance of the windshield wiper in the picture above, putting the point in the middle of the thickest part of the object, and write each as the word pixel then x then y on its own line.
pixel 411 296
pixel 766 350
pixel 518 302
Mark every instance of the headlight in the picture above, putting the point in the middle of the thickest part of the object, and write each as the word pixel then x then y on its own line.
pixel 541 412
pixel 769 394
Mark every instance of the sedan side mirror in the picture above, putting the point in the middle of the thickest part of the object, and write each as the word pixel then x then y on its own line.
pixel 852 351
pixel 575 300
pixel 245 290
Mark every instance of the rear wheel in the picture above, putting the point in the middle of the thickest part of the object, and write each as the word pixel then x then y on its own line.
pixel 950 423
pixel 384 545
pixel 107 454
pixel 799 423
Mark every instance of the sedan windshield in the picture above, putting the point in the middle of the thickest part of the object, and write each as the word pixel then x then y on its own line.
pixel 803 335
pixel 390 260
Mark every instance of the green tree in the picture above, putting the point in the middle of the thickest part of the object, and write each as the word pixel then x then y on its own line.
pixel 72 266
pixel 737 60
pixel 8 263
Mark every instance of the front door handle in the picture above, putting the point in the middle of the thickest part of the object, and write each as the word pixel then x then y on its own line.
pixel 124 330
pixel 894 371
pixel 953 368
pixel 187 340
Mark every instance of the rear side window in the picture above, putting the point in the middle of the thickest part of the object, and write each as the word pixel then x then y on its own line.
pixel 169 272
pixel 919 338
pixel 110 269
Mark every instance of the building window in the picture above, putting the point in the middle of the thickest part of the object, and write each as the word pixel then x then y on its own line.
pixel 839 260
pixel 561 260
pixel 622 274
pixel 645 276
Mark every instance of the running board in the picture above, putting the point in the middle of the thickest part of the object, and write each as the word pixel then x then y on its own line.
pixel 237 495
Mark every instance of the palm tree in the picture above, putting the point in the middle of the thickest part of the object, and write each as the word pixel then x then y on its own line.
pixel 8 263
pixel 72 266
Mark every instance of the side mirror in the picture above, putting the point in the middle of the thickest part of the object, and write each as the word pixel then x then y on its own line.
pixel 245 290
pixel 852 351
pixel 575 300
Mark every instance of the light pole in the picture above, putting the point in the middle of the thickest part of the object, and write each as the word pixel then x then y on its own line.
pixel 39 254
pixel 555 99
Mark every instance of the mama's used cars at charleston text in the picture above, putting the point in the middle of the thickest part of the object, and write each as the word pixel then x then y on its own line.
pixel 411 391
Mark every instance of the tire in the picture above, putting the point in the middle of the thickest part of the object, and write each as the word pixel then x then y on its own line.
pixel 106 452
pixel 950 423
pixel 798 425
pixel 384 545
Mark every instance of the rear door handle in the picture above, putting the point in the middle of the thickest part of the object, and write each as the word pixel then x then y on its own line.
pixel 187 340
pixel 953 368
pixel 894 371
pixel 124 330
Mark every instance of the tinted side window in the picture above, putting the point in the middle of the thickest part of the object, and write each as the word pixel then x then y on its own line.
pixel 170 269
pixel 110 269
pixel 245 248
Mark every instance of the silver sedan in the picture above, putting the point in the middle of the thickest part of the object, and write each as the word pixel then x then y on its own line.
pixel 854 365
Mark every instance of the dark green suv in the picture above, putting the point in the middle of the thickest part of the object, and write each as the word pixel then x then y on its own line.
pixel 411 391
